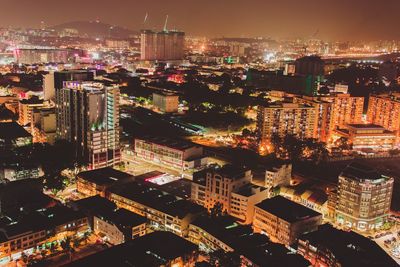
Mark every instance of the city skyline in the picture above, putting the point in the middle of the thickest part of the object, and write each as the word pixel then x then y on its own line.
pixel 351 20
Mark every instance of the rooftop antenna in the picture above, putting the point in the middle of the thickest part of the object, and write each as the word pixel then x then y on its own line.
pixel 165 25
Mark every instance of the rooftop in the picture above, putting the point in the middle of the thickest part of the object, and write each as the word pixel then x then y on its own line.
pixel 32 101
pixel 168 142
pixel 356 170
pixel 255 247
pixel 349 248
pixel 230 171
pixel 154 198
pixel 249 190
pixel 105 176
pixel 95 205
pixel 154 249
pixel 11 130
pixel 286 209
pixel 366 126
pixel 125 217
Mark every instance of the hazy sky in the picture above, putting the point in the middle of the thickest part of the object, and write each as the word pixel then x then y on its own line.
pixel 333 18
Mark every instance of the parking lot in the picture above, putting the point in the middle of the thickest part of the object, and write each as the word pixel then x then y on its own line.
pixel 390 242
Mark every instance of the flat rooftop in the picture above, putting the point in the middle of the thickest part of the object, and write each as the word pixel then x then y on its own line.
pixel 366 126
pixel 105 176
pixel 356 170
pixel 168 142
pixel 157 199
pixel 230 171
pixel 154 249
pixel 286 209
pixel 11 130
pixel 349 248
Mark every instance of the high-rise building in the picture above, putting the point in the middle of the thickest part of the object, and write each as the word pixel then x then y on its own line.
pixel 55 80
pixel 346 109
pixel 164 45
pixel 332 112
pixel 285 119
pixel 312 68
pixel 384 110
pixel 363 197
pixel 88 116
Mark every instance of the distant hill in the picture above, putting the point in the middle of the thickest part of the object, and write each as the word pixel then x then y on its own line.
pixel 95 29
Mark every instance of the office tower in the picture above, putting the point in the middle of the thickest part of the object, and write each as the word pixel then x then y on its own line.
pixel 164 45
pixel 310 65
pixel 384 110
pixel 49 91
pixel 285 119
pixel 363 197
pixel 88 116
pixel 71 75
pixel 312 68
pixel 55 80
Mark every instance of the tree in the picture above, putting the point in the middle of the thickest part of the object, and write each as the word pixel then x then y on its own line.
pixel 343 144
pixel 216 210
pixel 67 247
pixel 221 258
pixel 54 182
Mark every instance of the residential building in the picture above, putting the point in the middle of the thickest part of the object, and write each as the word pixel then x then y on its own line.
pixel 43 125
pixel 284 220
pixel 363 198
pixel 278 176
pixel 164 45
pixel 335 110
pixel 346 109
pixel 230 187
pixel 223 233
pixel 25 108
pixel 304 194
pixel 243 201
pixel 283 119
pixel 88 117
pixel 36 228
pixel 384 110
pixel 164 211
pixel 119 226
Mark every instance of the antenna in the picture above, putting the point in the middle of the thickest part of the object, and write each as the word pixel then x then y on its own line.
pixel 145 18
pixel 165 25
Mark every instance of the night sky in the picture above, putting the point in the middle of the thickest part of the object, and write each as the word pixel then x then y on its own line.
pixel 332 19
